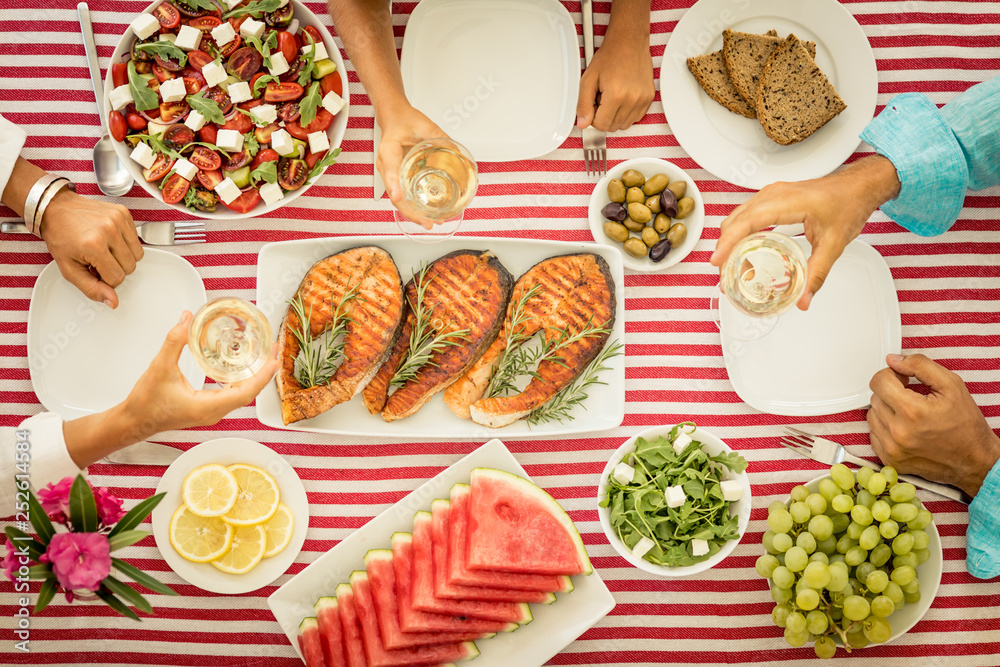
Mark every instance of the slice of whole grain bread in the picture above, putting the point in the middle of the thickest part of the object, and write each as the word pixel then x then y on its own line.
pixel 710 72
pixel 744 55
pixel 795 98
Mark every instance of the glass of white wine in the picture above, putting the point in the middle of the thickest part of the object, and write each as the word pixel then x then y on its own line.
pixel 439 179
pixel 230 339
pixel 764 276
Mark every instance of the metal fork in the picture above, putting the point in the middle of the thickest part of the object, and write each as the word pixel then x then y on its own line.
pixel 830 453
pixel 595 142
pixel 163 232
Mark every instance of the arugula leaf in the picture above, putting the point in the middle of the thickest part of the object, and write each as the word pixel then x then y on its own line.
pixel 267 171
pixel 145 99
pixel 324 162
pixel 254 7
pixel 309 104
pixel 261 83
pixel 197 4
pixel 250 143
pixel 206 107
pixel 165 50
pixel 309 57
pixel 156 145
pixel 265 46
pixel 190 198
pixel 209 146
pixel 166 178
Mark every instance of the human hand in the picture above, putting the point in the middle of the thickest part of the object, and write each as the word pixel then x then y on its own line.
pixel 402 129
pixel 81 233
pixel 617 87
pixel 941 436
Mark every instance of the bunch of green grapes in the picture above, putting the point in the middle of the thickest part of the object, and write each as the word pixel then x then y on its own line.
pixel 842 560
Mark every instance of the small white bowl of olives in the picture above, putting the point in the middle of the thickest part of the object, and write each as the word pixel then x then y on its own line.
pixel 651 210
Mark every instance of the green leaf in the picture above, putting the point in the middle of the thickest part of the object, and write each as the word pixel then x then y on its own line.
pixel 190 198
pixel 270 42
pixel 145 99
pixel 141 577
pixel 137 514
pixel 39 519
pixel 208 146
pixel 126 538
pixel 260 6
pixel 309 57
pixel 267 171
pixel 42 571
pixel 116 604
pixel 82 508
pixel 206 107
pixel 19 537
pixel 324 162
pixel 198 4
pixel 250 143
pixel 46 594
pixel 262 82
pixel 128 593
pixel 165 49
pixel 310 103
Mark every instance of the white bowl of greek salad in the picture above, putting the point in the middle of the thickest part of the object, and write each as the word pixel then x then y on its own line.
pixel 226 108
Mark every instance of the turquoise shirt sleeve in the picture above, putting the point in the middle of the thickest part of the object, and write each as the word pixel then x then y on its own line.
pixel 938 154
pixel 983 536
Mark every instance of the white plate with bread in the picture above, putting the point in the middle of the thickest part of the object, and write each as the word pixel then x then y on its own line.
pixel 745 150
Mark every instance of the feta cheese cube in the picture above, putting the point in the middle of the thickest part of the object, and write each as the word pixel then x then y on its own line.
pixel 185 169
pixel 321 53
pixel 223 34
pixel 318 142
pixel 264 114
pixel 623 473
pixel 214 73
pixel 240 92
pixel 732 490
pixel 282 142
pixel 168 37
pixel 121 97
pixel 195 121
pixel 699 547
pixel 144 25
pixel 333 103
pixel 189 38
pixel 675 496
pixel 143 154
pixel 642 547
pixel 271 193
pixel 227 190
pixel 681 442
pixel 232 4
pixel 252 28
pixel 278 64
pixel 173 90
pixel 230 140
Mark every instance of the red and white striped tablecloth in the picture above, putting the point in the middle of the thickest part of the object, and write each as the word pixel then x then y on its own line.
pixel 948 287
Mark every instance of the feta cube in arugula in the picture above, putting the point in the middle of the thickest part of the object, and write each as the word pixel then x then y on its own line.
pixel 144 25
pixel 143 154
pixel 623 473
pixel 321 53
pixel 223 34
pixel 173 90
pixel 195 121
pixel 121 97
pixel 229 140
pixel 271 193
pixel 185 169
pixel 214 74
pixel 318 142
pixel 240 92
pixel 675 496
pixel 333 103
pixel 699 547
pixel 278 64
pixel 189 38
pixel 732 490
pixel 642 547
pixel 681 442
pixel 227 190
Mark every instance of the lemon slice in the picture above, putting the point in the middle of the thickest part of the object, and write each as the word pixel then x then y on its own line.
pixel 278 530
pixel 257 500
pixel 210 490
pixel 246 551
pixel 198 538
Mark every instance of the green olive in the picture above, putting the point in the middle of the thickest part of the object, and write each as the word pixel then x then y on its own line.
pixel 634 196
pixel 661 223
pixel 616 191
pixel 653 203
pixel 616 231
pixel 640 213
pixel 677 234
pixel 633 178
pixel 635 247
pixel 655 185
pixel 685 207
pixel 650 237
pixel 679 188
pixel 632 225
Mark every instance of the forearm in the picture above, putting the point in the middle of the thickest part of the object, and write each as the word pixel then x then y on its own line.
pixel 871 181
pixel 93 437
pixel 629 22
pixel 22 178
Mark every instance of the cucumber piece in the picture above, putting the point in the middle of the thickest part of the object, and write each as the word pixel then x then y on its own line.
pixel 324 67
pixel 241 177
pixel 155 128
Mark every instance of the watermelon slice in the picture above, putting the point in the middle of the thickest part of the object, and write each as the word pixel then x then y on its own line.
pixel 382 580
pixel 423 585
pixel 350 629
pixel 440 511
pixel 330 634
pixel 377 654
pixel 515 526
pixel 412 620
pixel 458 573
pixel 309 643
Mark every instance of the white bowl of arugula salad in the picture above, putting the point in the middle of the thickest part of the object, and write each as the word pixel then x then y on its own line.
pixel 674 500
pixel 226 108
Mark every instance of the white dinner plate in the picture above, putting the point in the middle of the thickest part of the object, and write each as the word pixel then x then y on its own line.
pixel 819 362
pixel 281 266
pixel 735 148
pixel 499 76
pixel 227 451
pixel 554 626
pixel 84 357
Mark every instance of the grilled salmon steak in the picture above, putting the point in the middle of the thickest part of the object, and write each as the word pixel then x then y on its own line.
pixel 464 290
pixel 574 293
pixel 376 314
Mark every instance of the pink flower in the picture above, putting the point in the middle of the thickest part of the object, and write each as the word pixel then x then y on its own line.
pixel 80 561
pixel 109 508
pixel 54 499
pixel 11 561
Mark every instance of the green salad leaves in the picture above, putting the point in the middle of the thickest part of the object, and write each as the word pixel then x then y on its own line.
pixel 639 509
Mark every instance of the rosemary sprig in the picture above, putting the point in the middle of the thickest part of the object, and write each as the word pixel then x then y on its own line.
pixel 423 341
pixel 558 407
pixel 318 357
pixel 511 364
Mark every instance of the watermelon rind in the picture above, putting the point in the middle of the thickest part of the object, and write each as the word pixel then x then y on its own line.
pixel 308 624
pixel 547 502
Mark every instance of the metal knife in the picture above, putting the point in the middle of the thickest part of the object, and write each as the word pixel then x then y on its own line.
pixel 378 186
pixel 145 453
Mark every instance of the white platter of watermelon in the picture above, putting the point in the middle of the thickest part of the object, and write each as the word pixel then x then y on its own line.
pixel 394 582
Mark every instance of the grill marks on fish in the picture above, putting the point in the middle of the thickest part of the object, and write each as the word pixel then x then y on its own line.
pixel 376 316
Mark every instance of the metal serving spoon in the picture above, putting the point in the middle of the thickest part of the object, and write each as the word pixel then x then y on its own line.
pixel 113 178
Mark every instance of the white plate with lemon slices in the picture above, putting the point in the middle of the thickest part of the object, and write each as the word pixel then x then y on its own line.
pixel 235 548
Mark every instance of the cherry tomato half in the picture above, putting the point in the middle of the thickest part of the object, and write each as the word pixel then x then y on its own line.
pixel 119 74
pixel 210 178
pixel 244 63
pixel 245 202
pixel 265 155
pixel 177 136
pixel 205 23
pixel 209 134
pixel 171 111
pixel 167 63
pixel 191 85
pixel 322 121
pixel 198 59
pixel 159 169
pixel 117 126
pixel 237 161
pixel 283 92
pixel 192 73
pixel 188 10
pixel 328 83
pixel 240 122
pixel 220 97
pixel 263 134
pixel 161 73
pixel 135 121
pixel 297 130
pixel 289 45
pixel 292 173
pixel 314 33
pixel 237 21
pixel 313 158
pixel 167 15
pixel 175 189
pixel 205 158
pixel 289 111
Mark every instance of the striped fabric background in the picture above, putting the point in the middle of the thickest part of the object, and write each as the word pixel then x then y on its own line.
pixel 948 290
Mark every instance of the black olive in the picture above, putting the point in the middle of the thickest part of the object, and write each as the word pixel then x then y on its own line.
pixel 615 211
pixel 668 203
pixel 659 251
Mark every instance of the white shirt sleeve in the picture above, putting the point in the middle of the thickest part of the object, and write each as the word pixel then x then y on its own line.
pixel 37 449
pixel 11 141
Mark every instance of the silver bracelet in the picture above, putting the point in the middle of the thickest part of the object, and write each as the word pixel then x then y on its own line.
pixel 34 196
pixel 50 193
